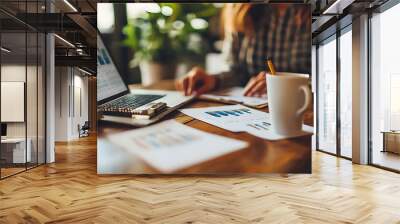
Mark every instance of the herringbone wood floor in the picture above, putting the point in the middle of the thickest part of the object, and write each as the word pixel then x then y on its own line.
pixel 69 191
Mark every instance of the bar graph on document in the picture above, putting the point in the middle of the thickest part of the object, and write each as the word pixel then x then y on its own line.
pixel 258 125
pixel 169 145
pixel 237 118
pixel 224 113
pixel 232 117
pixel 263 125
pixel 163 139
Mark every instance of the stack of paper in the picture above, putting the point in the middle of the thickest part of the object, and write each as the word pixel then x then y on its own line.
pixel 238 118
pixel 170 145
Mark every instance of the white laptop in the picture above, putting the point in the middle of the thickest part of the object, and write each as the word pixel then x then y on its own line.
pixel 112 91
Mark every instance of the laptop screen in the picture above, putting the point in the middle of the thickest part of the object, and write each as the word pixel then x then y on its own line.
pixel 109 81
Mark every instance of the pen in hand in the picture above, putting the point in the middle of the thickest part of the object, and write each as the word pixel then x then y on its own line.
pixel 271 67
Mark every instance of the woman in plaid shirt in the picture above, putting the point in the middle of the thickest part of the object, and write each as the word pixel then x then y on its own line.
pixel 253 33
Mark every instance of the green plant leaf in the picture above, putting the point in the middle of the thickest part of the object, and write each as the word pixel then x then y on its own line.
pixel 153 36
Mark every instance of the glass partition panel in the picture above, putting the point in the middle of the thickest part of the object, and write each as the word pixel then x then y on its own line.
pixel 41 112
pixel 346 94
pixel 385 89
pixel 327 96
pixel 32 94
pixel 14 153
pixel 32 98
pixel 22 66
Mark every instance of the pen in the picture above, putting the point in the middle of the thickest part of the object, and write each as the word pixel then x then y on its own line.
pixel 271 67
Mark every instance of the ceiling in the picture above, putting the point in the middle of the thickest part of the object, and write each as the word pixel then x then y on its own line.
pixel 20 54
pixel 75 21
pixel 72 20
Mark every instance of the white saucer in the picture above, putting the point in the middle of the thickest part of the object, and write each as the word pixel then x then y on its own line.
pixel 272 136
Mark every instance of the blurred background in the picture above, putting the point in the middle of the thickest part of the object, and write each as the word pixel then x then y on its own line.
pixel 169 38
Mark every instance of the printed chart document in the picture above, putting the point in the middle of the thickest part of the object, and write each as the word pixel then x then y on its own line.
pixel 238 118
pixel 170 145
pixel 234 95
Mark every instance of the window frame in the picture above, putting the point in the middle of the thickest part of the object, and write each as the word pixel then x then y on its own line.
pixel 378 10
pixel 333 37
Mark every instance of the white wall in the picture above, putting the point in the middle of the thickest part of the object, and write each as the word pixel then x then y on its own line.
pixel 81 101
pixel 61 103
pixel 16 73
pixel 71 102
pixel 11 73
pixel 33 126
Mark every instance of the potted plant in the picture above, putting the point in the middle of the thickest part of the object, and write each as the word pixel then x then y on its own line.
pixel 164 35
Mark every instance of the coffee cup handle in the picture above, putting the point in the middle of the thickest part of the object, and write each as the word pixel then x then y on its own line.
pixel 307 101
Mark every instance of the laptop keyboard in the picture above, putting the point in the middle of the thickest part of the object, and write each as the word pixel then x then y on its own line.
pixel 130 101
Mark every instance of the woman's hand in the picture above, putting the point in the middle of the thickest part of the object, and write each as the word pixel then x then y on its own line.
pixel 257 86
pixel 196 82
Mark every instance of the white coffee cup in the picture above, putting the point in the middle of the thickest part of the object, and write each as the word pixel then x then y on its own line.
pixel 289 96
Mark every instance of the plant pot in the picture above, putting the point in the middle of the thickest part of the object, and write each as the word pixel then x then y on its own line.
pixel 152 72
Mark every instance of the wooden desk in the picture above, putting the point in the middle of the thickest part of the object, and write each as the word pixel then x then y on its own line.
pixel 262 156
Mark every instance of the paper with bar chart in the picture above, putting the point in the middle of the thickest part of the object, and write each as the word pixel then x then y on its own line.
pixel 170 145
pixel 232 117
pixel 238 118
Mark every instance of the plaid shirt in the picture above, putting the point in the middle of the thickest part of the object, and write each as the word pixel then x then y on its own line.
pixel 277 37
